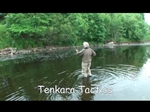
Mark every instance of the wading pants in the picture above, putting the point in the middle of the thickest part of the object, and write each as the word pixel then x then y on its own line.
pixel 86 69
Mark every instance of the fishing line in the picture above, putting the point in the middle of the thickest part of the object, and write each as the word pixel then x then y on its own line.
pixel 71 42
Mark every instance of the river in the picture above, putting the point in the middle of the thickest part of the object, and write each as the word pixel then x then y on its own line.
pixel 120 73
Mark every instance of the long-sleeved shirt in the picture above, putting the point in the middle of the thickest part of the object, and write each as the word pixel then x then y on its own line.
pixel 86 54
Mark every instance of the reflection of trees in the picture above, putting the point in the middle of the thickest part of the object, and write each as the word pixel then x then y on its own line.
pixel 58 72
pixel 29 77
pixel 5 82
pixel 145 69
pixel 134 55
pixel 148 52
pixel 9 90
pixel 122 55
pixel 6 86
pixel 62 80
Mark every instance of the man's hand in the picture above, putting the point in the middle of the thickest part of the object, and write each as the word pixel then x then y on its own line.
pixel 76 50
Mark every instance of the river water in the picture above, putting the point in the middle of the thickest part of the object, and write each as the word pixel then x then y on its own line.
pixel 120 73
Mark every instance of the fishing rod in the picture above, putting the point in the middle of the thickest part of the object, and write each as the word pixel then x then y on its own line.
pixel 71 43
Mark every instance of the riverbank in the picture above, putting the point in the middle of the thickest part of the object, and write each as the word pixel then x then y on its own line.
pixel 14 51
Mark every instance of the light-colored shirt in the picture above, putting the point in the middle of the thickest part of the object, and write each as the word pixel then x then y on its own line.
pixel 86 54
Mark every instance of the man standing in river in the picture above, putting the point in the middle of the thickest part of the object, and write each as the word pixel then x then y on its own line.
pixel 86 53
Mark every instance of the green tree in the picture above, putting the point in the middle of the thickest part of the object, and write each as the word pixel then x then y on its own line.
pixel 26 30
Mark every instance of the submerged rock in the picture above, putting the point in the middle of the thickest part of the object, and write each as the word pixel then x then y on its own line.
pixel 8 51
pixel 110 45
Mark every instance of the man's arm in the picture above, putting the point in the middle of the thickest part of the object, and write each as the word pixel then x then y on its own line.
pixel 80 53
pixel 93 53
pixel 76 50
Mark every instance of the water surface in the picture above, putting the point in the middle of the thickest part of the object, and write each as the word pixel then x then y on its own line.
pixel 120 73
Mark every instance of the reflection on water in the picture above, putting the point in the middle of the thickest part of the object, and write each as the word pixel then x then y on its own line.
pixel 87 91
pixel 121 73
pixel 145 70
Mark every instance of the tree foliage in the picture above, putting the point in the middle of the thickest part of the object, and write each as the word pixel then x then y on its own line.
pixel 25 30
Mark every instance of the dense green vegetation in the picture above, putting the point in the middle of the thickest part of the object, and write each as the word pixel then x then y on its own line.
pixel 27 30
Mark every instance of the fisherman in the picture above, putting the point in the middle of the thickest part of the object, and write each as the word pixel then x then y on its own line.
pixel 86 53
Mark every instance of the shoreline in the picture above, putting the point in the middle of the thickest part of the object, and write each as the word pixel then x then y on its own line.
pixel 14 51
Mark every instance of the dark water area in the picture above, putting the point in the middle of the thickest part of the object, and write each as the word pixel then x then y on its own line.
pixel 120 73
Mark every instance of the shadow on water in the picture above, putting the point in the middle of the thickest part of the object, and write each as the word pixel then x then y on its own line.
pixel 87 92
pixel 121 73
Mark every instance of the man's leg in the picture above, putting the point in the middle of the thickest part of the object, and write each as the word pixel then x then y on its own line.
pixel 89 70
pixel 84 69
